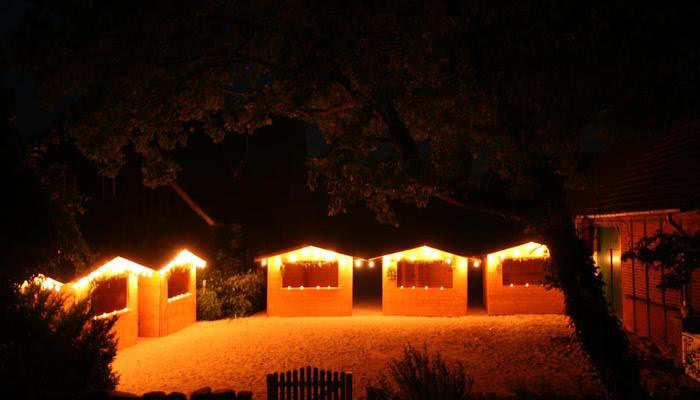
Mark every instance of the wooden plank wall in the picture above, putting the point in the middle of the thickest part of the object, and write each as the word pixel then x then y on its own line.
pixel 648 310
pixel 519 299
pixel 421 301
pixel 296 302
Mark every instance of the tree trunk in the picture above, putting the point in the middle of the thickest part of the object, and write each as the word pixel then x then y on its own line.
pixel 599 331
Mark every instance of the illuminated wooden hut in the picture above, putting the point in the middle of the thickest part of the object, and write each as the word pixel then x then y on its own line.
pixel 513 282
pixel 147 302
pixel 167 300
pixel 116 292
pixel 424 281
pixel 308 281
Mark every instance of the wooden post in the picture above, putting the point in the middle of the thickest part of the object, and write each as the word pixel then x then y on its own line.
pixel 634 283
pixel 289 385
pixel 646 282
pixel 269 387
pixel 342 386
pixel 276 379
pixel 295 380
pixel 315 383
pixel 329 382
pixel 349 387
pixel 322 384
pixel 663 292
pixel 308 383
pixel 302 383
pixel 335 385
pixel 282 386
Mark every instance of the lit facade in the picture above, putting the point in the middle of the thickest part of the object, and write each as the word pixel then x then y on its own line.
pixel 513 282
pixel 137 295
pixel 425 281
pixel 309 281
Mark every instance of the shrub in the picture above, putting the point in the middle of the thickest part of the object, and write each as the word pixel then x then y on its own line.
pixel 419 376
pixel 47 346
pixel 231 296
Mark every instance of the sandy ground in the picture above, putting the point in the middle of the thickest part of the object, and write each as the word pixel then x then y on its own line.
pixel 535 353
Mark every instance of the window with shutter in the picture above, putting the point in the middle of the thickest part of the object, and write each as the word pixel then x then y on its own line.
pixel 433 274
pixel 109 295
pixel 178 282
pixel 523 271
pixel 310 274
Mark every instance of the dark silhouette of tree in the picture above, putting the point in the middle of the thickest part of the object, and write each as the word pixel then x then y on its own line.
pixel 40 213
pixel 481 104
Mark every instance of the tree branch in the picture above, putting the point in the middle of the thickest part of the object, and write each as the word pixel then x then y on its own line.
pixel 191 203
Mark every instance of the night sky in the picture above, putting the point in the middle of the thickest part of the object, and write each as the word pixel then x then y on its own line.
pixel 269 198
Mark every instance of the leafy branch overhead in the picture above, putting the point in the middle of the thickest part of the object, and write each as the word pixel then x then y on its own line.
pixel 469 103
pixel 677 253
pixel 486 105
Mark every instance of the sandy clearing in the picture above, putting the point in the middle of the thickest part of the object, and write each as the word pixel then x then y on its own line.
pixel 500 353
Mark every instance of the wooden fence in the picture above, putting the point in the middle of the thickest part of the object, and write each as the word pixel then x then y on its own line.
pixel 309 384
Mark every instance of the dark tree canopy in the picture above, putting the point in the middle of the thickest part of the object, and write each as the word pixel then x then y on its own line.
pixel 415 99
pixel 482 104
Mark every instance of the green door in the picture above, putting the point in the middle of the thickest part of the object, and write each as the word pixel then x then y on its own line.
pixel 608 261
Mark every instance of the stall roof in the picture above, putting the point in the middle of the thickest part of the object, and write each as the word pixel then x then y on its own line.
pixel 299 247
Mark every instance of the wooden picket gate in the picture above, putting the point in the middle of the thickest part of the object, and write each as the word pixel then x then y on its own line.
pixel 309 384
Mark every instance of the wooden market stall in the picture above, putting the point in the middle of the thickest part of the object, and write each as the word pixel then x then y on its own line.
pixel 146 302
pixel 513 282
pixel 308 281
pixel 115 291
pixel 168 299
pixel 424 281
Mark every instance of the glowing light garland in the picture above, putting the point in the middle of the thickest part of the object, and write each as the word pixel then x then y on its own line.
pixel 111 314
pixel 524 251
pixel 185 257
pixel 178 297
pixel 425 253
pixel 308 253
pixel 116 266
pixel 527 250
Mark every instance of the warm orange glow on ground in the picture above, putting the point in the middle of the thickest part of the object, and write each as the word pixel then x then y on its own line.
pixel 494 349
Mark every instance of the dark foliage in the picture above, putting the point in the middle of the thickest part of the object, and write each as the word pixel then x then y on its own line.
pixel 422 376
pixel 677 253
pixel 231 296
pixel 482 104
pixel 40 214
pixel 48 346
pixel 230 290
pixel 599 331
